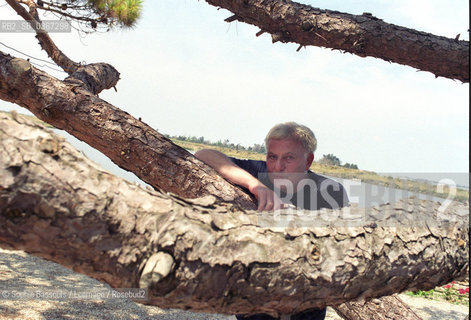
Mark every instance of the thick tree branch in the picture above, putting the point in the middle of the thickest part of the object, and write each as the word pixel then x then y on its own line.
pixel 363 35
pixel 128 142
pixel 204 256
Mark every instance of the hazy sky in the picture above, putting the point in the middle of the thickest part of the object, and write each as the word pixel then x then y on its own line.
pixel 187 72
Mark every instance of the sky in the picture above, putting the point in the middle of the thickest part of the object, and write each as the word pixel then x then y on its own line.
pixel 185 71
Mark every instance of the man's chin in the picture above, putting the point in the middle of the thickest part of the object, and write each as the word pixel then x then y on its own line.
pixel 283 183
pixel 278 176
pixel 292 176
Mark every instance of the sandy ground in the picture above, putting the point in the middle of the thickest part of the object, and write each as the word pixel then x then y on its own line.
pixel 25 277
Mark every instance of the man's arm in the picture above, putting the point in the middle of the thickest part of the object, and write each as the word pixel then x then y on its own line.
pixel 267 199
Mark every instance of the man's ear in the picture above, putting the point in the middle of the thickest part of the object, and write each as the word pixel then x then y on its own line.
pixel 309 160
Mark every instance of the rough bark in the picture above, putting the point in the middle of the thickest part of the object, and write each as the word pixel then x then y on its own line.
pixel 18 76
pixel 97 77
pixel 210 256
pixel 128 142
pixel 386 308
pixel 363 35
pixel 94 77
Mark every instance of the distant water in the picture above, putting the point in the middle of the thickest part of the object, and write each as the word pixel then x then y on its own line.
pixel 368 195
pixel 460 179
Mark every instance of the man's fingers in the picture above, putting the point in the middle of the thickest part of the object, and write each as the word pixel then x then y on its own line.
pixel 267 199
pixel 261 206
pixel 269 204
pixel 262 199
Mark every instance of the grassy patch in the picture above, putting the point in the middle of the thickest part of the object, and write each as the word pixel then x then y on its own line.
pixel 453 293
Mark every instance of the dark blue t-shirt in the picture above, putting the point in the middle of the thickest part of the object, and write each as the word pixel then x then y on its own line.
pixel 318 191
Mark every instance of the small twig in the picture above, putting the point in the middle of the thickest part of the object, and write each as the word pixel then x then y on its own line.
pixel 232 18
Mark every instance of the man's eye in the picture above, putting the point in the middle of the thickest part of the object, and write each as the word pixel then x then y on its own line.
pixel 272 157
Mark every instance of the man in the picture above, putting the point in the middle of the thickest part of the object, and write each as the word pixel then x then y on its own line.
pixel 283 179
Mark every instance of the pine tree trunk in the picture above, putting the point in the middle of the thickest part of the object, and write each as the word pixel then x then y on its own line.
pixel 206 255
pixel 363 35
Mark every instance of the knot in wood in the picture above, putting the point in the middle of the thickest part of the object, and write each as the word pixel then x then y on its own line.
pixel 307 25
pixel 20 66
pixel 157 267
pixel 279 36
pixel 95 77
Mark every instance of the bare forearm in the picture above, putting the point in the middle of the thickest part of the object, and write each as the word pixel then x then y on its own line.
pixel 267 200
pixel 229 170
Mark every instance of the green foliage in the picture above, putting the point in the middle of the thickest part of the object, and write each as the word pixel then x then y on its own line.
pixel 350 166
pixel 124 12
pixel 93 15
pixel 331 160
pixel 453 292
pixel 256 148
pixel 424 294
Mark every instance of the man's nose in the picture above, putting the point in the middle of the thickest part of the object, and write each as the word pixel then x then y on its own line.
pixel 280 165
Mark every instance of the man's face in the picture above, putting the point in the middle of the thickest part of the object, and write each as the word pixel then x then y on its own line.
pixel 287 159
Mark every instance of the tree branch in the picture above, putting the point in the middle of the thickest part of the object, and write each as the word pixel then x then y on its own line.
pixel 45 40
pixel 205 256
pixel 363 35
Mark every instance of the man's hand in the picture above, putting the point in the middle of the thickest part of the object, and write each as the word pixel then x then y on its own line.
pixel 267 199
